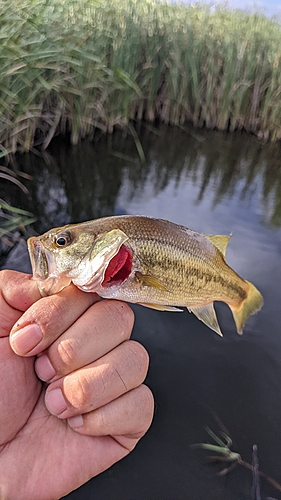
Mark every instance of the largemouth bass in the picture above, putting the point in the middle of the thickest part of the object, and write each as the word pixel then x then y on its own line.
pixel 152 262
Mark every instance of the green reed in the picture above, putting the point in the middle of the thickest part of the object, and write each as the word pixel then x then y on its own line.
pixel 92 65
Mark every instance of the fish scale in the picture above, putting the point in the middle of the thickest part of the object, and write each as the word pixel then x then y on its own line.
pixel 168 265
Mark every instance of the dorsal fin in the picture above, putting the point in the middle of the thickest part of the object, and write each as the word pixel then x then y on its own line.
pixel 220 241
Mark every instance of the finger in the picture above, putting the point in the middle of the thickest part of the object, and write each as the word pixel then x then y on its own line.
pixel 47 319
pixel 97 384
pixel 17 293
pixel 129 415
pixel 100 329
pixel 19 391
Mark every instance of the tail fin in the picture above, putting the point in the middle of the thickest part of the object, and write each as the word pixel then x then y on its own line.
pixel 250 305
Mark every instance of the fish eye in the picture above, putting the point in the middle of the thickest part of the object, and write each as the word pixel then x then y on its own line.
pixel 63 239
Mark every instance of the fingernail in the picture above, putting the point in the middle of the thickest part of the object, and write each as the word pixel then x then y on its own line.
pixel 44 368
pixel 75 422
pixel 26 339
pixel 55 402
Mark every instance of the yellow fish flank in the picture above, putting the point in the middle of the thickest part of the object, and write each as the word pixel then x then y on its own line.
pixel 147 261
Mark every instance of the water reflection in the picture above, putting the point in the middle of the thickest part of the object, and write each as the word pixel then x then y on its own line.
pixel 212 183
pixel 74 184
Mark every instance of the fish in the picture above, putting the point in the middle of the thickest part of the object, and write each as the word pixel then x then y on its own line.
pixel 147 261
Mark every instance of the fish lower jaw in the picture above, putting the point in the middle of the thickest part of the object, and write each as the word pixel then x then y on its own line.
pixel 113 291
pixel 86 277
pixel 92 286
pixel 53 285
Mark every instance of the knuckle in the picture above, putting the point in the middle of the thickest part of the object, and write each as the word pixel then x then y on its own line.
pixel 138 357
pixel 67 354
pixel 52 313
pixel 101 420
pixel 56 309
pixel 120 315
pixel 77 389
pixel 145 401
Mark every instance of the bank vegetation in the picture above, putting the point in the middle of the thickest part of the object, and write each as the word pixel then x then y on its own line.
pixel 88 66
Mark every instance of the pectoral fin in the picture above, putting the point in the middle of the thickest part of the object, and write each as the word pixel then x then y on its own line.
pixel 208 316
pixel 160 307
pixel 149 280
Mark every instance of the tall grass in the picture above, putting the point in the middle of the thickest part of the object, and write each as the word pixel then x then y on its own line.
pixel 12 218
pixel 83 66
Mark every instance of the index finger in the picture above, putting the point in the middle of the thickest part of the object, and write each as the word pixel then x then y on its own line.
pixel 47 319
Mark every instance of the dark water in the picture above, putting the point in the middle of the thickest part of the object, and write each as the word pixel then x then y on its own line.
pixel 215 184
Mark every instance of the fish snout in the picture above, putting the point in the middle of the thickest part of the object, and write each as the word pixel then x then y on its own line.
pixel 38 258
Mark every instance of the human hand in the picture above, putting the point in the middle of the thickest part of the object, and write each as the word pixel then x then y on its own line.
pixel 94 374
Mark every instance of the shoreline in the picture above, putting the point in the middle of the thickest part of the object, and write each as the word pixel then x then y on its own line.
pixel 90 68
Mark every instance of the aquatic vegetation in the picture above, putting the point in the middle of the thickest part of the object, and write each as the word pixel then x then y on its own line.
pixel 87 66
pixel 13 227
pixel 12 218
pixel 224 454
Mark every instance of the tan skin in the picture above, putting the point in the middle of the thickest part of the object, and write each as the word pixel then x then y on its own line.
pixel 93 409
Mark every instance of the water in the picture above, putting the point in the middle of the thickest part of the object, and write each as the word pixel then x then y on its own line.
pixel 212 183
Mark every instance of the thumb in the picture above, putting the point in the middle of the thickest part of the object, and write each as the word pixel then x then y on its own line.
pixel 17 293
pixel 18 289
pixel 19 388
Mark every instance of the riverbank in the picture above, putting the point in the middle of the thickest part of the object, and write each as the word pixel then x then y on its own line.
pixel 84 67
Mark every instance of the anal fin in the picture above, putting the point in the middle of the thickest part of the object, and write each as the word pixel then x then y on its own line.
pixel 160 307
pixel 207 314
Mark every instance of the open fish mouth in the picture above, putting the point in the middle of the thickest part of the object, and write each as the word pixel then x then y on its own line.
pixel 43 266
pixel 38 259
pixel 109 262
